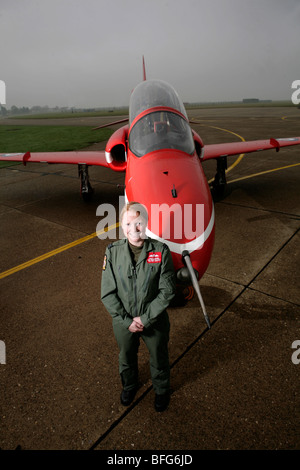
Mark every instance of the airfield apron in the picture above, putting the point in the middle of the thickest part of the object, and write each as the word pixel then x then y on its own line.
pixel 144 289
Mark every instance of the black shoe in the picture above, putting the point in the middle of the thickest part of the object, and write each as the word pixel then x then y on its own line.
pixel 127 396
pixel 161 401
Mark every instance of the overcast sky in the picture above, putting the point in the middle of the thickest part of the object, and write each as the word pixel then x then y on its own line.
pixel 88 53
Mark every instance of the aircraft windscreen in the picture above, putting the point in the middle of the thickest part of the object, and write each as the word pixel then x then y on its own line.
pixel 161 130
pixel 151 93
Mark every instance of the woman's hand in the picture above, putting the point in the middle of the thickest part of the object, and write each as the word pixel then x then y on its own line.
pixel 136 325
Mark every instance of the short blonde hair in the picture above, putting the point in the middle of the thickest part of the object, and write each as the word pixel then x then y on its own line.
pixel 139 208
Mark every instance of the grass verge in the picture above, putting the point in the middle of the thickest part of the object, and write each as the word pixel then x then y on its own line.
pixel 21 139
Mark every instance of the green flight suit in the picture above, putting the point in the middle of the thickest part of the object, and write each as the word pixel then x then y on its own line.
pixel 144 289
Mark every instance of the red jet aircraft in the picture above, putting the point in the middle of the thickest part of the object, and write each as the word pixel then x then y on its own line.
pixel 162 157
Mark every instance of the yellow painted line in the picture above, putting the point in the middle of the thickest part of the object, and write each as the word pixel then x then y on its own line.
pixel 14 270
pixel 237 161
pixel 240 137
pixel 262 173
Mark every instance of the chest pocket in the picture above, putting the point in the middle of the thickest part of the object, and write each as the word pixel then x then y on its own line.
pixel 151 279
pixel 147 279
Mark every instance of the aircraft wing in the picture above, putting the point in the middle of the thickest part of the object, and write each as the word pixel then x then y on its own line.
pixel 76 158
pixel 235 148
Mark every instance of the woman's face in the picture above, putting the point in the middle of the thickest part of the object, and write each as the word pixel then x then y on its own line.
pixel 134 227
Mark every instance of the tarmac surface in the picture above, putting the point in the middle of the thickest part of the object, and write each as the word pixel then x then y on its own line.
pixel 235 386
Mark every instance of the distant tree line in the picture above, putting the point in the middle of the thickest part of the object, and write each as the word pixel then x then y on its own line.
pixel 15 110
pixel 25 110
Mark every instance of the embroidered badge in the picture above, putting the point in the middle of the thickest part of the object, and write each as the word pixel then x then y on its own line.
pixel 104 263
pixel 154 257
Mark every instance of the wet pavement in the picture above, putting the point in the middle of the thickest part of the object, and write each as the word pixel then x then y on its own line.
pixel 233 387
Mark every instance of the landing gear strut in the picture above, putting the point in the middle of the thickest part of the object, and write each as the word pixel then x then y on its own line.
pixel 86 189
pixel 188 263
pixel 219 183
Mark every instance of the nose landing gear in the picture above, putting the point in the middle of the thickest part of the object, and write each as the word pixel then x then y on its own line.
pixel 194 280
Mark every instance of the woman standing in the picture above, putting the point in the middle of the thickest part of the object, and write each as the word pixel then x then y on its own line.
pixel 138 283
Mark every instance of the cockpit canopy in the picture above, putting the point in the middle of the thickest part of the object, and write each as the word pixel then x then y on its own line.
pixel 151 93
pixel 161 129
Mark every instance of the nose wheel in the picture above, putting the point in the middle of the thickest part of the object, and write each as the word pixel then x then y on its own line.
pixel 188 292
